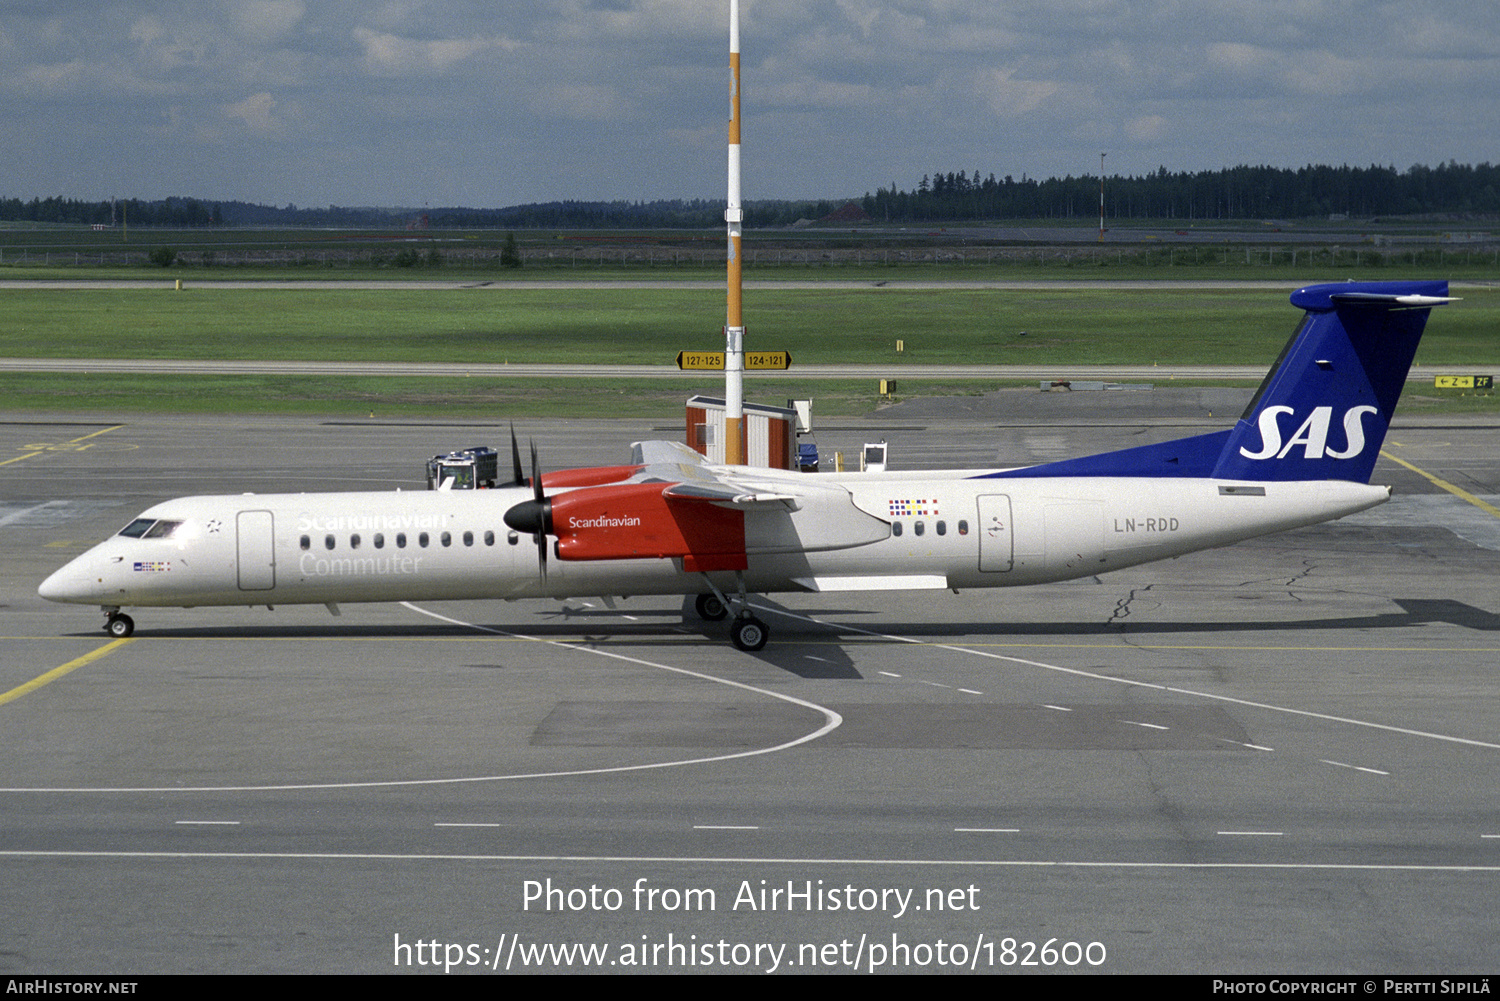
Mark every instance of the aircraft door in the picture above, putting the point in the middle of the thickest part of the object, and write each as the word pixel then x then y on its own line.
pixel 996 541
pixel 257 551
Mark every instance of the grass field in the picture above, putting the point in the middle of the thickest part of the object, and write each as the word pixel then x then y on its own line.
pixel 649 326
pixel 641 326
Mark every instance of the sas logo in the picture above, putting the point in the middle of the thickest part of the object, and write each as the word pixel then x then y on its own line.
pixel 1312 435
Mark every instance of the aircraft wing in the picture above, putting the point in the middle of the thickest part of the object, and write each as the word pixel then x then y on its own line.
pixel 676 505
pixel 652 453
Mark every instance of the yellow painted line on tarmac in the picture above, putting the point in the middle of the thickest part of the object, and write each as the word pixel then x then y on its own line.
pixel 1443 484
pixel 20 457
pixel 45 448
pixel 58 672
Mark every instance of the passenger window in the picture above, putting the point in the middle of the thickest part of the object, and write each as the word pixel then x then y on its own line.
pixel 919 527
pixel 422 540
pixel 306 542
pixel 400 540
pixel 895 528
pixel 379 540
pixel 512 538
pixel 327 542
pixel 942 528
pixel 963 528
pixel 468 538
pixel 354 542
pixel 447 539
pixel 489 538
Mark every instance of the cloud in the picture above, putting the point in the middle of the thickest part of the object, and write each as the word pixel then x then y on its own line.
pixel 1008 97
pixel 265 21
pixel 386 54
pixel 257 112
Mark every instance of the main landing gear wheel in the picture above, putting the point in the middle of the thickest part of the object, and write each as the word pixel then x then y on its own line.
pixel 710 608
pixel 119 626
pixel 749 633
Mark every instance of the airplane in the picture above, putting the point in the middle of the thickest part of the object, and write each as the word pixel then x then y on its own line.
pixel 668 522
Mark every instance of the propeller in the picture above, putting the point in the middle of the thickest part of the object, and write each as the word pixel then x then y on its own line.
pixel 535 515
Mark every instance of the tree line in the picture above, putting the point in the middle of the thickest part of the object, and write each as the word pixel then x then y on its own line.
pixel 1232 193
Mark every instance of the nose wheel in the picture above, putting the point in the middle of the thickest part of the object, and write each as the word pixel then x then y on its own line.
pixel 119 625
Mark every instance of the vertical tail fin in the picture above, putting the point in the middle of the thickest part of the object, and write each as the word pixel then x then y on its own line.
pixel 1323 410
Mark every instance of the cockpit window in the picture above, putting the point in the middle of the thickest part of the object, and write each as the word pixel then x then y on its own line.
pixel 150 528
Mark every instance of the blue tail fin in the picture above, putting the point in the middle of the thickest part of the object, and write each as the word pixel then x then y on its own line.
pixel 1323 409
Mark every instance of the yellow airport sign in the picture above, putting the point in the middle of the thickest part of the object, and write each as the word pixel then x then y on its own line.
pixel 1464 382
pixel 765 360
pixel 700 360
pixel 714 360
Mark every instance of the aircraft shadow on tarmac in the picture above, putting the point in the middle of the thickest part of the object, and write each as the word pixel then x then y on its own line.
pixel 794 651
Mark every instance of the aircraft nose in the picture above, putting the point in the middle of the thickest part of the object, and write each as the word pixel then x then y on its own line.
pixel 71 583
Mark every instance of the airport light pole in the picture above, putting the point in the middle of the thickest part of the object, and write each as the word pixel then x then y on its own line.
pixel 734 217
pixel 1101 197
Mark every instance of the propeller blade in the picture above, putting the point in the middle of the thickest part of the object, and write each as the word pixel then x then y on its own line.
pixel 518 478
pixel 545 515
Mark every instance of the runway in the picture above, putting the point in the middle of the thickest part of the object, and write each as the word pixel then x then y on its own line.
pixel 1275 758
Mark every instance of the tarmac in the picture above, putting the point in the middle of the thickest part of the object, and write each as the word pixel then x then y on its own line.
pixel 1279 757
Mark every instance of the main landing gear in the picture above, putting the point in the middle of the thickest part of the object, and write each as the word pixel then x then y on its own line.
pixel 746 632
pixel 117 623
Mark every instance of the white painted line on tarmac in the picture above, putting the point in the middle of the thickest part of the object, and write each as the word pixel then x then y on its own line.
pixel 1253 834
pixel 831 722
pixel 1132 683
pixel 209 823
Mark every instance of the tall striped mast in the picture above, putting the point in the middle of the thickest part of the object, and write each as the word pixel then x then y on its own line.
pixel 734 216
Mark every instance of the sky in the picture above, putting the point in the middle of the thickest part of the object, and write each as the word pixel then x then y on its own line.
pixel 486 104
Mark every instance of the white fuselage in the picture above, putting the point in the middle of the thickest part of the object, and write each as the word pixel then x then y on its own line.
pixel 854 532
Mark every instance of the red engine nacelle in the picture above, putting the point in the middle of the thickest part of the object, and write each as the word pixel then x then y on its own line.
pixel 591 476
pixel 635 521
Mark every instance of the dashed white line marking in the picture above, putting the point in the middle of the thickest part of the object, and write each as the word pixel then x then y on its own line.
pixel 1149 726
pixel 970 691
pixel 987 830
pixel 1061 709
pixel 820 660
pixel 1131 682
pixel 1254 834
pixel 1357 768
pixel 1241 743
pixel 934 684
pixel 210 823
pixel 890 674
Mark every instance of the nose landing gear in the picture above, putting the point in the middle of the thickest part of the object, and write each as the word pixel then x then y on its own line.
pixel 117 623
